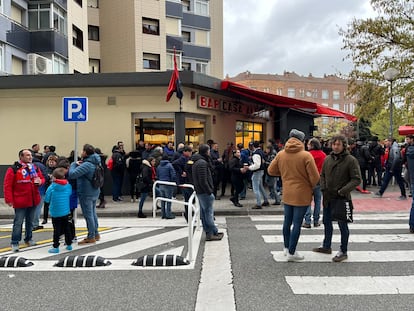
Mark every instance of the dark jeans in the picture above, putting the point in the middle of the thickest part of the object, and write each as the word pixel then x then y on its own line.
pixel 293 215
pixel 387 178
pixel 328 227
pixel 61 226
pixel 117 185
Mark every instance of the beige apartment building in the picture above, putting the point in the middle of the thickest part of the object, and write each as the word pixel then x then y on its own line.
pixel 82 36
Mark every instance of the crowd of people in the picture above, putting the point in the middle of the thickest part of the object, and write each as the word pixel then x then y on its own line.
pixel 320 171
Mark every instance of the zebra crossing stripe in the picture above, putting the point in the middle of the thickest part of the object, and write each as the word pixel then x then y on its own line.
pixel 354 226
pixel 353 238
pixel 374 216
pixel 353 256
pixel 351 285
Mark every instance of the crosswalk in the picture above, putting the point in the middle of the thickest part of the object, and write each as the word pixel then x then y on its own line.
pixel 377 243
pixel 123 240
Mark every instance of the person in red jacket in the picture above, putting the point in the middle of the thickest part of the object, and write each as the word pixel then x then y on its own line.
pixel 21 191
pixel 315 149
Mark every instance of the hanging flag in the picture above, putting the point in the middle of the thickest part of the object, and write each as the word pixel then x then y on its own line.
pixel 175 83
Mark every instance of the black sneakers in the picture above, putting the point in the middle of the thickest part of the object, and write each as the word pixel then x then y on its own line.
pixel 215 237
pixel 322 250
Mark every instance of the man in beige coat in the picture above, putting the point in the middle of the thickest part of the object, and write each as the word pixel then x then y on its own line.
pixel 299 176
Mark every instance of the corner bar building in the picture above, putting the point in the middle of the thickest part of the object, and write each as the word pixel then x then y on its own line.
pixel 131 106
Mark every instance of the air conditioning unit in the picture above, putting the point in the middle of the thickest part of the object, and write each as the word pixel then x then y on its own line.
pixel 37 64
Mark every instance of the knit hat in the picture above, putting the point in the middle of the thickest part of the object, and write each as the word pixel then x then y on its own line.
pixel 52 158
pixel 203 149
pixel 297 134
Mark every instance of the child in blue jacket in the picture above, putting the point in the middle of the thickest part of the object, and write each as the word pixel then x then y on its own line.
pixel 58 195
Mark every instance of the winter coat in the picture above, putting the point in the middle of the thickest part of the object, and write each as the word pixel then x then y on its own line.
pixel 179 167
pixel 166 172
pixel 409 154
pixel 202 174
pixel 83 174
pixel 298 171
pixel 19 188
pixel 58 195
pixel 319 157
pixel 394 157
pixel 146 176
pixel 340 175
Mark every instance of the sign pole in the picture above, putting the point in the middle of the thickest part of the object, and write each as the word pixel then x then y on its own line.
pixel 75 158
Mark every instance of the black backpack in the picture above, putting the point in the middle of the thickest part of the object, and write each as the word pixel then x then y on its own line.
pixel 98 177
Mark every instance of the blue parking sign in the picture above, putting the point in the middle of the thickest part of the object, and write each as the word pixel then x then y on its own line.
pixel 75 109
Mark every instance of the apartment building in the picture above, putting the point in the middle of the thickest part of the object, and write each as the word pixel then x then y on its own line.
pixel 70 36
pixel 330 90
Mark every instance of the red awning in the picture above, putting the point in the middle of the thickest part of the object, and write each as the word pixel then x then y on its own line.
pixel 268 98
pixel 404 130
pixel 284 102
pixel 330 112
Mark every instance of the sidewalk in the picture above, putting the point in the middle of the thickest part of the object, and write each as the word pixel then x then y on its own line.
pixel 224 207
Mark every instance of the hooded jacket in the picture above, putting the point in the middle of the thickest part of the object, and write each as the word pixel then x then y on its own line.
pixel 340 175
pixel 58 195
pixel 298 171
pixel 83 174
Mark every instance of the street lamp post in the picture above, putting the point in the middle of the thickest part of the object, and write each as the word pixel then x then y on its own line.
pixel 390 75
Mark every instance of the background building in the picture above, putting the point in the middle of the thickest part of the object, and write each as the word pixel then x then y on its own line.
pixel 70 36
pixel 330 91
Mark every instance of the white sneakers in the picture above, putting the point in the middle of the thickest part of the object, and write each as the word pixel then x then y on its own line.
pixel 295 257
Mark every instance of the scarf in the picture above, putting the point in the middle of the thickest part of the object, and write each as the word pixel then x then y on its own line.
pixel 29 168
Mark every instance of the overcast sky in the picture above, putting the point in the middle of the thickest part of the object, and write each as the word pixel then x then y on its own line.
pixel 271 36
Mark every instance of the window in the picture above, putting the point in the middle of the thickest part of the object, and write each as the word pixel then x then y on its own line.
pixel 279 91
pixel 39 16
pixel 266 90
pixel 248 131
pixel 301 92
pixel 1 57
pixel 291 92
pixel 201 7
pixel 59 20
pixel 170 60
pixel 60 65
pixel 186 5
pixel 1 6
pixel 186 66
pixel 315 93
pixel 202 67
pixel 94 65
pixel 150 26
pixel 186 35
pixel 79 2
pixel 325 94
pixel 336 95
pixel 93 4
pixel 151 61
pixel 77 37
pixel 336 106
pixel 93 33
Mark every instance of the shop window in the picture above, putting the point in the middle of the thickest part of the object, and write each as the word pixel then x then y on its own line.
pixel 77 37
pixel 150 26
pixel 247 132
pixel 151 61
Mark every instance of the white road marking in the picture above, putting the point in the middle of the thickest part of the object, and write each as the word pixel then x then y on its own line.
pixel 351 285
pixel 216 283
pixel 382 216
pixel 353 256
pixel 172 251
pixel 353 238
pixel 355 226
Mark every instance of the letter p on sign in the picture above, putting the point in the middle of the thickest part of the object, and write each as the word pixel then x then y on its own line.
pixel 75 109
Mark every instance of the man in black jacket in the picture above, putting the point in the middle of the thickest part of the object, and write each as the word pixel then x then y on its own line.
pixel 204 187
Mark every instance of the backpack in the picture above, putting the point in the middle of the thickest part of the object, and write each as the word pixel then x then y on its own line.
pixel 98 177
